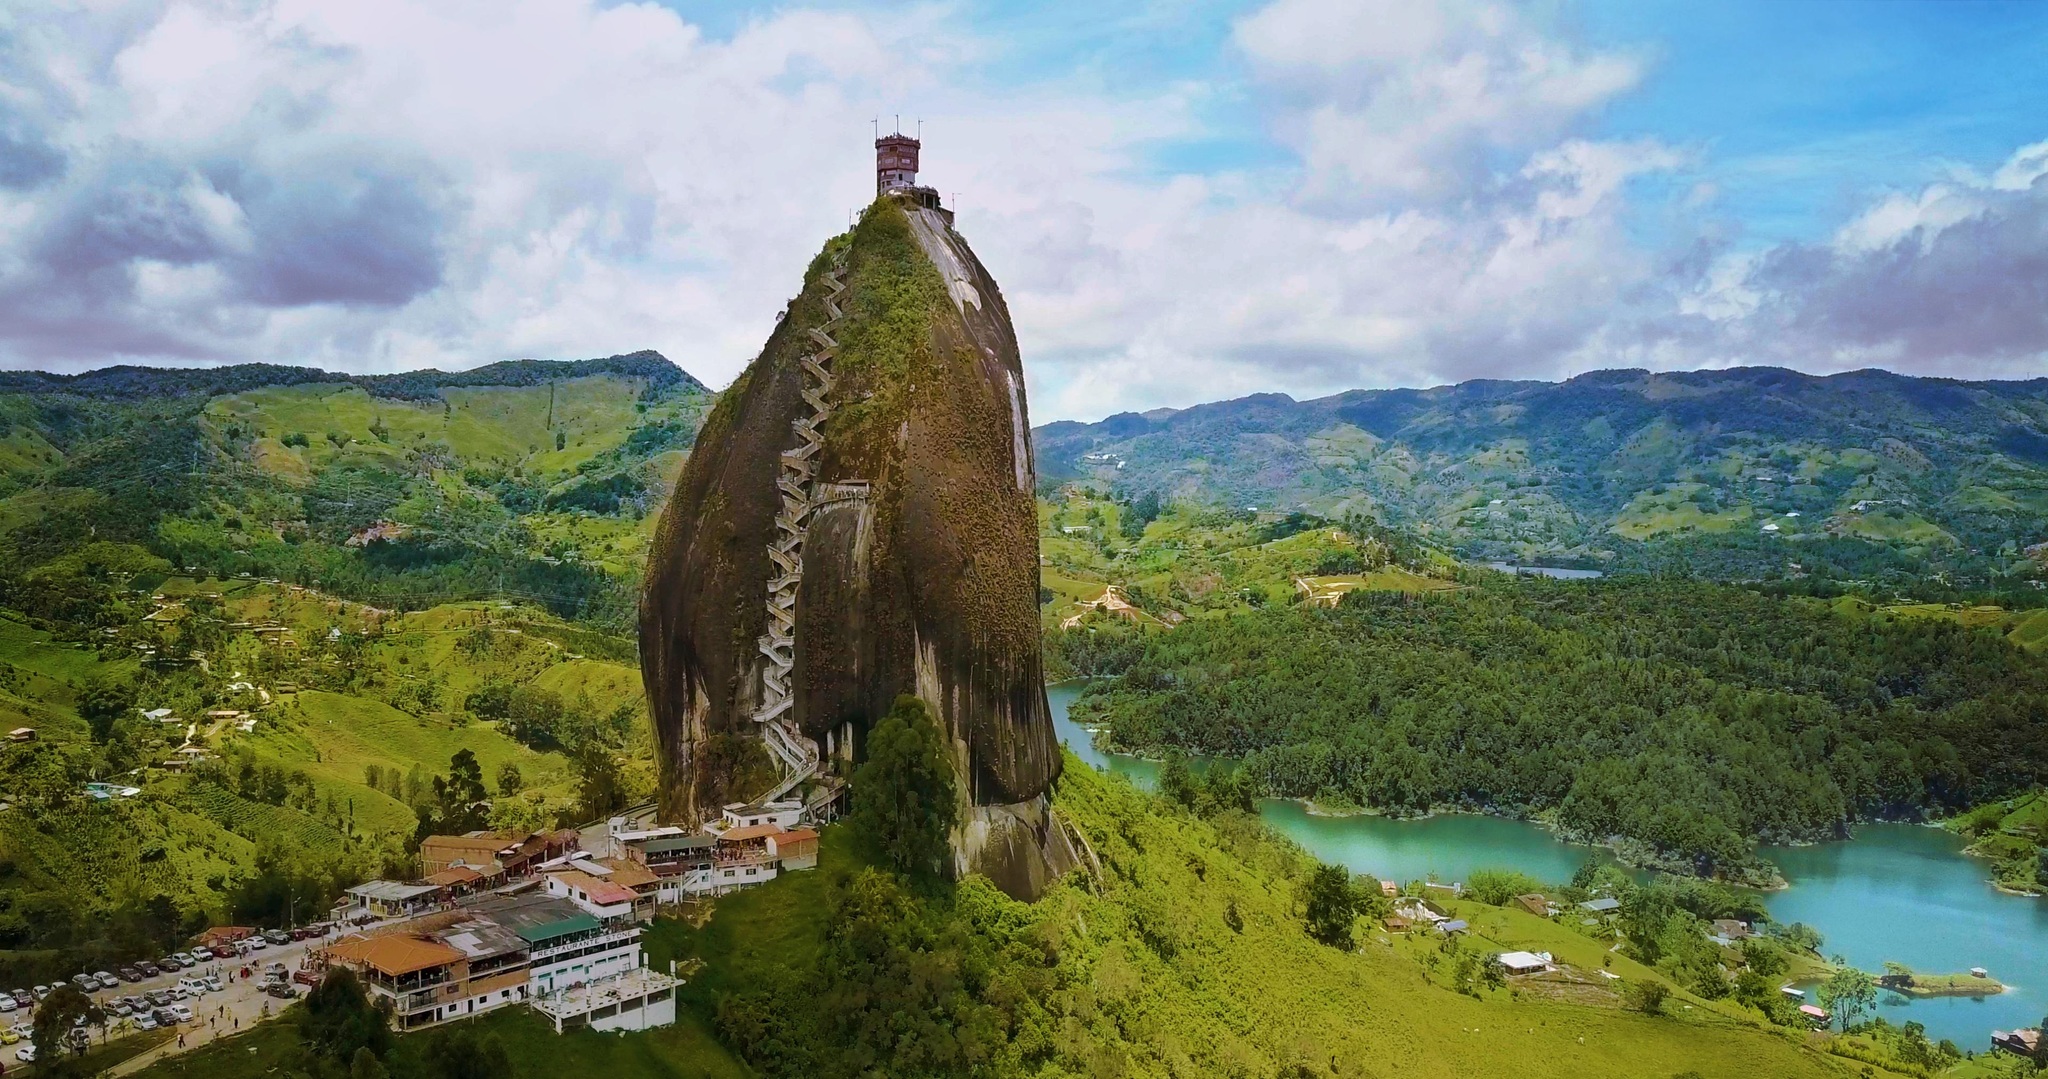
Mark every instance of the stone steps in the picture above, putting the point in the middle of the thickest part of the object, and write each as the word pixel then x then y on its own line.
pixel 797 754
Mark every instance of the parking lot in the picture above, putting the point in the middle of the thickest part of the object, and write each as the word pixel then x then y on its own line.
pixel 240 1001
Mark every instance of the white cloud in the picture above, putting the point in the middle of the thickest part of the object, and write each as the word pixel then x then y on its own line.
pixel 390 184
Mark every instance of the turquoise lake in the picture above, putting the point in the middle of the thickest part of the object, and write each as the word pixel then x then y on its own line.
pixel 1896 892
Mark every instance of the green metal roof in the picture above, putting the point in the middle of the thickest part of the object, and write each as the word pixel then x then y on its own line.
pixel 546 931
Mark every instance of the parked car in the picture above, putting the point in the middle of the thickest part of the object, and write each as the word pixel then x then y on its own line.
pixel 160 997
pixel 278 936
pixel 192 986
pixel 129 974
pixel 183 1013
pixel 40 992
pixel 165 1017
pixel 146 1021
pixel 7 1003
pixel 214 984
pixel 281 990
pixel 257 944
pixel 85 983
pixel 107 980
pixel 169 963
pixel 148 969
pixel 9 1037
pixel 116 1008
pixel 203 955
pixel 26 1054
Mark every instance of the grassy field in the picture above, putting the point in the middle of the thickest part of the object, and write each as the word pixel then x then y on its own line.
pixel 40 678
pixel 1172 989
pixel 498 425
pixel 332 737
pixel 1889 524
pixel 619 544
pixel 1652 514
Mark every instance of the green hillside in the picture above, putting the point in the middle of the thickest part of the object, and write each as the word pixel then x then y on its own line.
pixel 1743 473
pixel 320 727
pixel 1184 955
pixel 529 478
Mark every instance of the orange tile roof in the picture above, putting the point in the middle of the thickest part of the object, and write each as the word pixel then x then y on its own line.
pixel 394 954
pixel 795 835
pixel 488 843
pixel 628 873
pixel 454 874
pixel 751 831
pixel 602 892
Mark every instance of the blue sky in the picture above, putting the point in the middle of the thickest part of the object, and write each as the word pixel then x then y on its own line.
pixel 1182 200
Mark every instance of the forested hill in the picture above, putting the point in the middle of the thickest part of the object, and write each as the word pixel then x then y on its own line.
pixel 1750 472
pixel 527 478
pixel 1688 718
pixel 138 382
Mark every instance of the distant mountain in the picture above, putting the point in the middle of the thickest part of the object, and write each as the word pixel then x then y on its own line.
pixel 527 476
pixel 134 382
pixel 1743 472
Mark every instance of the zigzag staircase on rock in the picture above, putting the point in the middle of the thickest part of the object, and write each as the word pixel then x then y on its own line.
pixel 797 753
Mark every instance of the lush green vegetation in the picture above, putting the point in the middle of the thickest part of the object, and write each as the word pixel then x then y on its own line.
pixel 375 729
pixel 2013 834
pixel 1684 720
pixel 1929 487
pixel 1188 954
pixel 532 479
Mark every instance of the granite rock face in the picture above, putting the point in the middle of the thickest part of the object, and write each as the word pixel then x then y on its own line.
pixel 919 558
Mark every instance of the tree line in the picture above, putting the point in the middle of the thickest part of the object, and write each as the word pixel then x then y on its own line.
pixel 1684 719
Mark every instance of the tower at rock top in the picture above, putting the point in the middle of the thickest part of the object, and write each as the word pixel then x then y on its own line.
pixel 895 163
pixel 857 522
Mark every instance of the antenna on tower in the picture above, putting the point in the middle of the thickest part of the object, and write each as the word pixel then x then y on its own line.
pixel 920 129
pixel 877 121
pixel 899 123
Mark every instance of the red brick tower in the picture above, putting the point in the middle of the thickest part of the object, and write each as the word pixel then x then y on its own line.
pixel 895 163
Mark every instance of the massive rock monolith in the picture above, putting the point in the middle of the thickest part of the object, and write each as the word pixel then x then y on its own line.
pixel 857 521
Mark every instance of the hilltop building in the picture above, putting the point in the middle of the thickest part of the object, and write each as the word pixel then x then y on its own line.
pixel 896 173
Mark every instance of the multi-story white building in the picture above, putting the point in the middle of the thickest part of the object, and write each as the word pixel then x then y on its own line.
pixel 502 950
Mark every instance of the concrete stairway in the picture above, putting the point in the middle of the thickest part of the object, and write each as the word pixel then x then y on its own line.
pixel 797 753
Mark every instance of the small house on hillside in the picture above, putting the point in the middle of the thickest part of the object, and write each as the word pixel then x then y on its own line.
pixel 1523 962
pixel 1535 903
pixel 797 848
pixel 22 734
pixel 2026 1042
pixel 1602 906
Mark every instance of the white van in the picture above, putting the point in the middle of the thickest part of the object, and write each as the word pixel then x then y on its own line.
pixel 193 986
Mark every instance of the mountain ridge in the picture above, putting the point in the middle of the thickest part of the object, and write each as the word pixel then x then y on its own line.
pixel 127 381
pixel 1591 468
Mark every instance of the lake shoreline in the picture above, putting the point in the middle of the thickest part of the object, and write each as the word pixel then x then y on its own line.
pixel 1860 892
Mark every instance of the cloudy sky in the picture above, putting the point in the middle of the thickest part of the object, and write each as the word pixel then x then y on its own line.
pixel 1183 200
